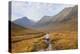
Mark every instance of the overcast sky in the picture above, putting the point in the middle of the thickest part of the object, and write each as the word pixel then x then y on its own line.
pixel 35 11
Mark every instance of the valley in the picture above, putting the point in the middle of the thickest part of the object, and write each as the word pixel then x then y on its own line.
pixel 62 30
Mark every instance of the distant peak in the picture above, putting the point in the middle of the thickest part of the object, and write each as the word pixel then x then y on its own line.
pixel 25 17
pixel 46 16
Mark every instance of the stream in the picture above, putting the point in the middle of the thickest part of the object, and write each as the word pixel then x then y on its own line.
pixel 47 40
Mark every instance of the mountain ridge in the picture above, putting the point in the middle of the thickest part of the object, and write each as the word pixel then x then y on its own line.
pixel 65 17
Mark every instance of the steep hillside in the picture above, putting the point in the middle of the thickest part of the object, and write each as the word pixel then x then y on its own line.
pixel 66 19
pixel 51 19
pixel 16 29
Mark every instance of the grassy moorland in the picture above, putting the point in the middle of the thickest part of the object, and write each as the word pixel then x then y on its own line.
pixel 64 40
pixel 59 41
pixel 25 39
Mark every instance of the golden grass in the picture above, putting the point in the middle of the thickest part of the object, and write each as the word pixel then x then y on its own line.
pixel 65 40
pixel 59 41
pixel 30 45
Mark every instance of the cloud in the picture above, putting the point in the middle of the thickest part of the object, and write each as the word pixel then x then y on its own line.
pixel 35 11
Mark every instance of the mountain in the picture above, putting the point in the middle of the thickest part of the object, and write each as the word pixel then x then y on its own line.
pixel 66 18
pixel 24 21
pixel 44 20
pixel 58 17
